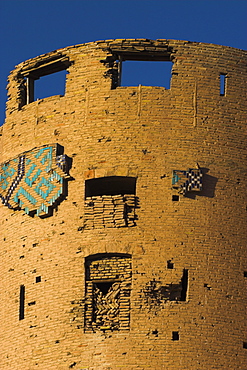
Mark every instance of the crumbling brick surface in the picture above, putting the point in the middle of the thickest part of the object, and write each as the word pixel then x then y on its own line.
pixel 180 259
pixel 107 298
pixel 110 211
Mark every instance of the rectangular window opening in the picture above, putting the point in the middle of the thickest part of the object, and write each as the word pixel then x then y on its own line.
pixel 112 185
pixel 50 85
pixel 175 198
pixel 223 84
pixel 48 79
pixel 146 73
pixel 22 302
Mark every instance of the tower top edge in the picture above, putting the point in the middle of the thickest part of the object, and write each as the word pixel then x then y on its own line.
pixel 121 44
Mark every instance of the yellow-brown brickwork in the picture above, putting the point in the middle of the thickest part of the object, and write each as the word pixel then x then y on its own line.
pixel 152 276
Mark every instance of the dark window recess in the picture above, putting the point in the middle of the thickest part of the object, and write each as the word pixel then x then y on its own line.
pixel 146 73
pixel 223 77
pixel 245 345
pixel 175 335
pixel 22 302
pixel 46 79
pixel 245 273
pixel 38 279
pixel 175 198
pixel 112 185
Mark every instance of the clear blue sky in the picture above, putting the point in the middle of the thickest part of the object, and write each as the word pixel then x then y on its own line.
pixel 32 27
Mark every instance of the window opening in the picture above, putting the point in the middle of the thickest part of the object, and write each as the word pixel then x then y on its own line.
pixel 108 285
pixel 245 273
pixel 46 79
pixel 22 302
pixel 146 73
pixel 110 202
pixel 175 198
pixel 53 84
pixel 223 84
pixel 112 185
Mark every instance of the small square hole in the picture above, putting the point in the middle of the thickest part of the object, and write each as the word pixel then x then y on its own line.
pixel 245 345
pixel 175 198
pixel 170 264
pixel 245 273
pixel 38 279
pixel 175 335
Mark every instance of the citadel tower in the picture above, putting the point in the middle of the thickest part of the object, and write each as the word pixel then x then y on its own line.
pixel 123 213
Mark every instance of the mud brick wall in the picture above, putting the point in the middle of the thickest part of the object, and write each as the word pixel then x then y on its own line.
pixel 110 211
pixel 176 297
pixel 107 302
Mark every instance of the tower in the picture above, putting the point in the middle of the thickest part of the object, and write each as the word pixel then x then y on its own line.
pixel 123 212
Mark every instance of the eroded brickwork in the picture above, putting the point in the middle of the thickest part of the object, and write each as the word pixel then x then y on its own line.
pixel 110 211
pixel 140 261
pixel 108 284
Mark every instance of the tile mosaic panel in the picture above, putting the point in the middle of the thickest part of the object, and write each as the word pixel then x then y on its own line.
pixel 34 180
pixel 186 181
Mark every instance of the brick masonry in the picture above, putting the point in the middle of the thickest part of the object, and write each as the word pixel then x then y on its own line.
pixel 160 282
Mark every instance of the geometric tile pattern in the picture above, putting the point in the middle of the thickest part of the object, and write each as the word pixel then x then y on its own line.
pixel 186 181
pixel 34 180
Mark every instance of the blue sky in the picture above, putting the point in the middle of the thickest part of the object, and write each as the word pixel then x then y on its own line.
pixel 32 27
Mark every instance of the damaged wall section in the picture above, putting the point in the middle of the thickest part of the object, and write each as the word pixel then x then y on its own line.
pixel 156 294
pixel 108 286
pixel 110 202
pixel 45 67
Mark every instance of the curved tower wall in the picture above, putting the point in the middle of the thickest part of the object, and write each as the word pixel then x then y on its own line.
pixel 175 257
